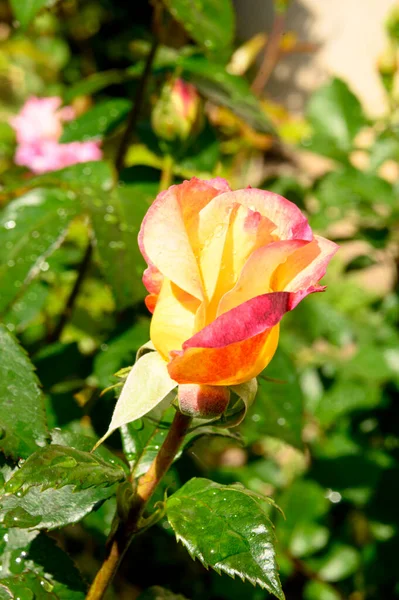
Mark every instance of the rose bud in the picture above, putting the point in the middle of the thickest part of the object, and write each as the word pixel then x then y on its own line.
pixel 177 114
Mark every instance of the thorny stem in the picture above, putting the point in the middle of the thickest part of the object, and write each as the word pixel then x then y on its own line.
pixel 135 111
pixel 120 541
pixel 271 55
pixel 70 303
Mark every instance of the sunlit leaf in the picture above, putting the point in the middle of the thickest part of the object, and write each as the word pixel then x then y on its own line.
pixel 226 528
pixel 210 25
pixel 97 121
pixel 22 417
pixel 147 384
pixel 31 228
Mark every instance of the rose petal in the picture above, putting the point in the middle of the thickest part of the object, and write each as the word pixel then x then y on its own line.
pixel 229 365
pixel 243 322
pixel 237 233
pixel 289 222
pixel 174 318
pixel 305 267
pixel 167 236
pixel 255 277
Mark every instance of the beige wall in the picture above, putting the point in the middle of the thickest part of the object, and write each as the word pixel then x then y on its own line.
pixel 350 34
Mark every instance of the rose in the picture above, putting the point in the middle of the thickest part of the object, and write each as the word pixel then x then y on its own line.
pixel 38 127
pixel 223 268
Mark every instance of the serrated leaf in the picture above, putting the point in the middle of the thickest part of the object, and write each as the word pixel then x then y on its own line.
pixel 227 529
pixel 27 586
pixel 158 593
pixel 147 384
pixel 224 89
pixel 22 416
pixel 278 407
pixel 77 440
pixel 31 228
pixel 26 10
pixel 97 121
pixel 57 466
pixel 51 509
pixel 209 24
pixel 21 550
pixel 334 136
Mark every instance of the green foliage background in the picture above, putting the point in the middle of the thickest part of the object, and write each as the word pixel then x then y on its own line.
pixel 322 437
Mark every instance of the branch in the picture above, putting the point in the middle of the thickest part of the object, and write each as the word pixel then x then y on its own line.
pixel 135 111
pixel 70 303
pixel 121 539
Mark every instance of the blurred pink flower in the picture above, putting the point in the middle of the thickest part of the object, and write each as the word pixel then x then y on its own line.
pixel 38 128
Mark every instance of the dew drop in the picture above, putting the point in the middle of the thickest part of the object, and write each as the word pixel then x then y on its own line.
pixel 46 585
pixel 9 224
pixel 19 517
pixel 13 485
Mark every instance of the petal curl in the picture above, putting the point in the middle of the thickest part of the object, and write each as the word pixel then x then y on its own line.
pixel 305 267
pixel 290 223
pixel 255 277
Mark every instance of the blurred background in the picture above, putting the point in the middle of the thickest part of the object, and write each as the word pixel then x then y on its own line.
pixel 298 97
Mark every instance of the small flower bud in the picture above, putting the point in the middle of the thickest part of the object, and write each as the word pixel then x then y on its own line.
pixel 177 113
pixel 203 401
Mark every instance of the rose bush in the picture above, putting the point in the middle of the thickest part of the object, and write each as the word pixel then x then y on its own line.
pixel 223 268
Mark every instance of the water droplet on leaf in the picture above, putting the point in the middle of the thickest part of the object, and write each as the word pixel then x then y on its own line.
pixel 19 517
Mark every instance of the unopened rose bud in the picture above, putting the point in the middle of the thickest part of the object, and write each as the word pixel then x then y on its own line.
pixel 203 401
pixel 178 111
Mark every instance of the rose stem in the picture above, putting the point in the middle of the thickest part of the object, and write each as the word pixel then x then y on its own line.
pixel 119 542
pixel 134 113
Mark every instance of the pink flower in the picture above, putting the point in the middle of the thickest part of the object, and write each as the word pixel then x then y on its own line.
pixel 38 128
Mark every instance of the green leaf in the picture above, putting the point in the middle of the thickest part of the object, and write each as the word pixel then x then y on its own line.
pixel 27 586
pixel 318 590
pixel 116 217
pixel 94 83
pixel 336 116
pixel 58 466
pixel 339 563
pixel 348 190
pixel 346 396
pixel 308 538
pixel 31 228
pixel 278 407
pixel 85 443
pixel 225 527
pixel 21 550
pixel 158 593
pixel 96 173
pixel 118 352
pixel 97 122
pixel 51 509
pixel 22 416
pixel 147 384
pixel 227 90
pixel 209 24
pixel 26 10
